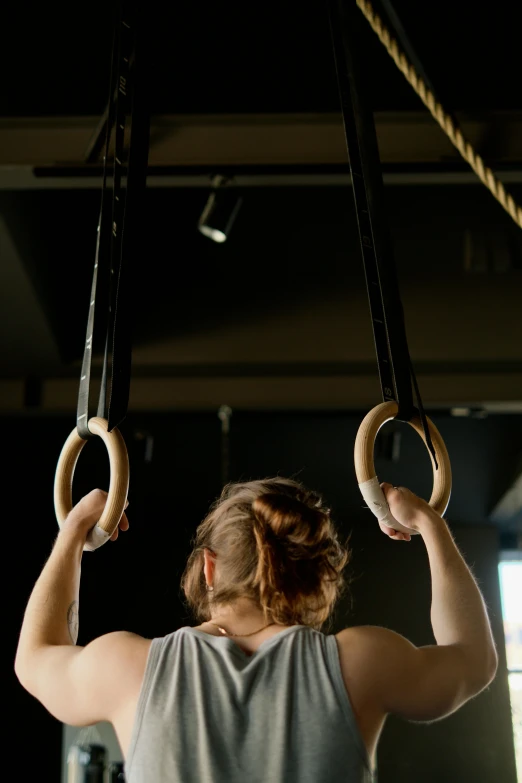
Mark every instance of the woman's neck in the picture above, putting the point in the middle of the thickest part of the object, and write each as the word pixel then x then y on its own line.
pixel 243 615
pixel 242 618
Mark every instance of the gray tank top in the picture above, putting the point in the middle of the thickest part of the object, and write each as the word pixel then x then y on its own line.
pixel 209 713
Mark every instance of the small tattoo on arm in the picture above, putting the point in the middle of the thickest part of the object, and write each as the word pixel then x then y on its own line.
pixel 72 621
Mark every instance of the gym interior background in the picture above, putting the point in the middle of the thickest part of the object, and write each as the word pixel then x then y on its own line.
pixel 273 323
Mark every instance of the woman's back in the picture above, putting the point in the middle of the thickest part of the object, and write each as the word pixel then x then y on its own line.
pixel 210 712
pixel 266 569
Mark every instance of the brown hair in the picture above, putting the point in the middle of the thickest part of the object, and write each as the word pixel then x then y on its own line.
pixel 275 544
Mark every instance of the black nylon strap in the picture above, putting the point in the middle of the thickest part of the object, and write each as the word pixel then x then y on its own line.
pixel 101 257
pixel 130 245
pixel 109 252
pixel 118 115
pixel 393 359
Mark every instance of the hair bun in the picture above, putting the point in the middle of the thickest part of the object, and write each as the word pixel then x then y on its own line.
pixel 299 557
pixel 291 519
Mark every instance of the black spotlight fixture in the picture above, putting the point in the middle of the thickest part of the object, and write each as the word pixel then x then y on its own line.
pixel 220 210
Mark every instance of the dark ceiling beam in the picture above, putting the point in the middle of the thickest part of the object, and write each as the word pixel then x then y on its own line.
pixel 256 140
pixel 270 393
pixel 311 369
pixel 88 178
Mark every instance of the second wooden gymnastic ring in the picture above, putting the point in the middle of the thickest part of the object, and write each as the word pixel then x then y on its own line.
pixel 365 470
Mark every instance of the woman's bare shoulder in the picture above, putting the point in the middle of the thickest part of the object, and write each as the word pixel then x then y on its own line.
pixel 366 636
pixel 362 647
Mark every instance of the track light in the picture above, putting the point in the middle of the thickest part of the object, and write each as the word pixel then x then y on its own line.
pixel 220 211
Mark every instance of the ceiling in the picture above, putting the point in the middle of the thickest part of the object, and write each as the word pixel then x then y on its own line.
pixel 277 316
pixel 211 58
pixel 254 93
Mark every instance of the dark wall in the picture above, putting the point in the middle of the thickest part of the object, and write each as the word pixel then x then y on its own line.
pixel 170 495
pixel 196 284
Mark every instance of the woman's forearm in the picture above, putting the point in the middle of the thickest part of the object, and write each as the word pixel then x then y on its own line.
pixel 51 616
pixel 458 611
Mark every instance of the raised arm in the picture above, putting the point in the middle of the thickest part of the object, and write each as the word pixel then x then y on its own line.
pixel 78 685
pixel 390 675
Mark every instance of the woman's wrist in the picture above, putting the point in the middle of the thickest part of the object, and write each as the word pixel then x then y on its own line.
pixel 71 540
pixel 429 521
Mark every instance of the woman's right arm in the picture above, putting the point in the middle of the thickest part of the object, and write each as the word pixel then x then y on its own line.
pixel 427 683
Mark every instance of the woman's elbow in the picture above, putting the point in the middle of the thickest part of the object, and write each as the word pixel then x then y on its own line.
pixel 483 671
pixel 23 669
pixel 492 666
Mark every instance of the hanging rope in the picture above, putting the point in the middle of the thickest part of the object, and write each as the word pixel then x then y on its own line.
pixel 445 121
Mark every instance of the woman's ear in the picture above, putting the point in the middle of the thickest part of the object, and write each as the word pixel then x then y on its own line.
pixel 209 566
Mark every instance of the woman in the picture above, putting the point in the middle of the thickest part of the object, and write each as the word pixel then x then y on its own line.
pixel 256 692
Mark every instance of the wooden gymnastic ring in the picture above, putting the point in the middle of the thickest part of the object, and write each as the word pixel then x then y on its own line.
pixel 119 480
pixel 365 470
